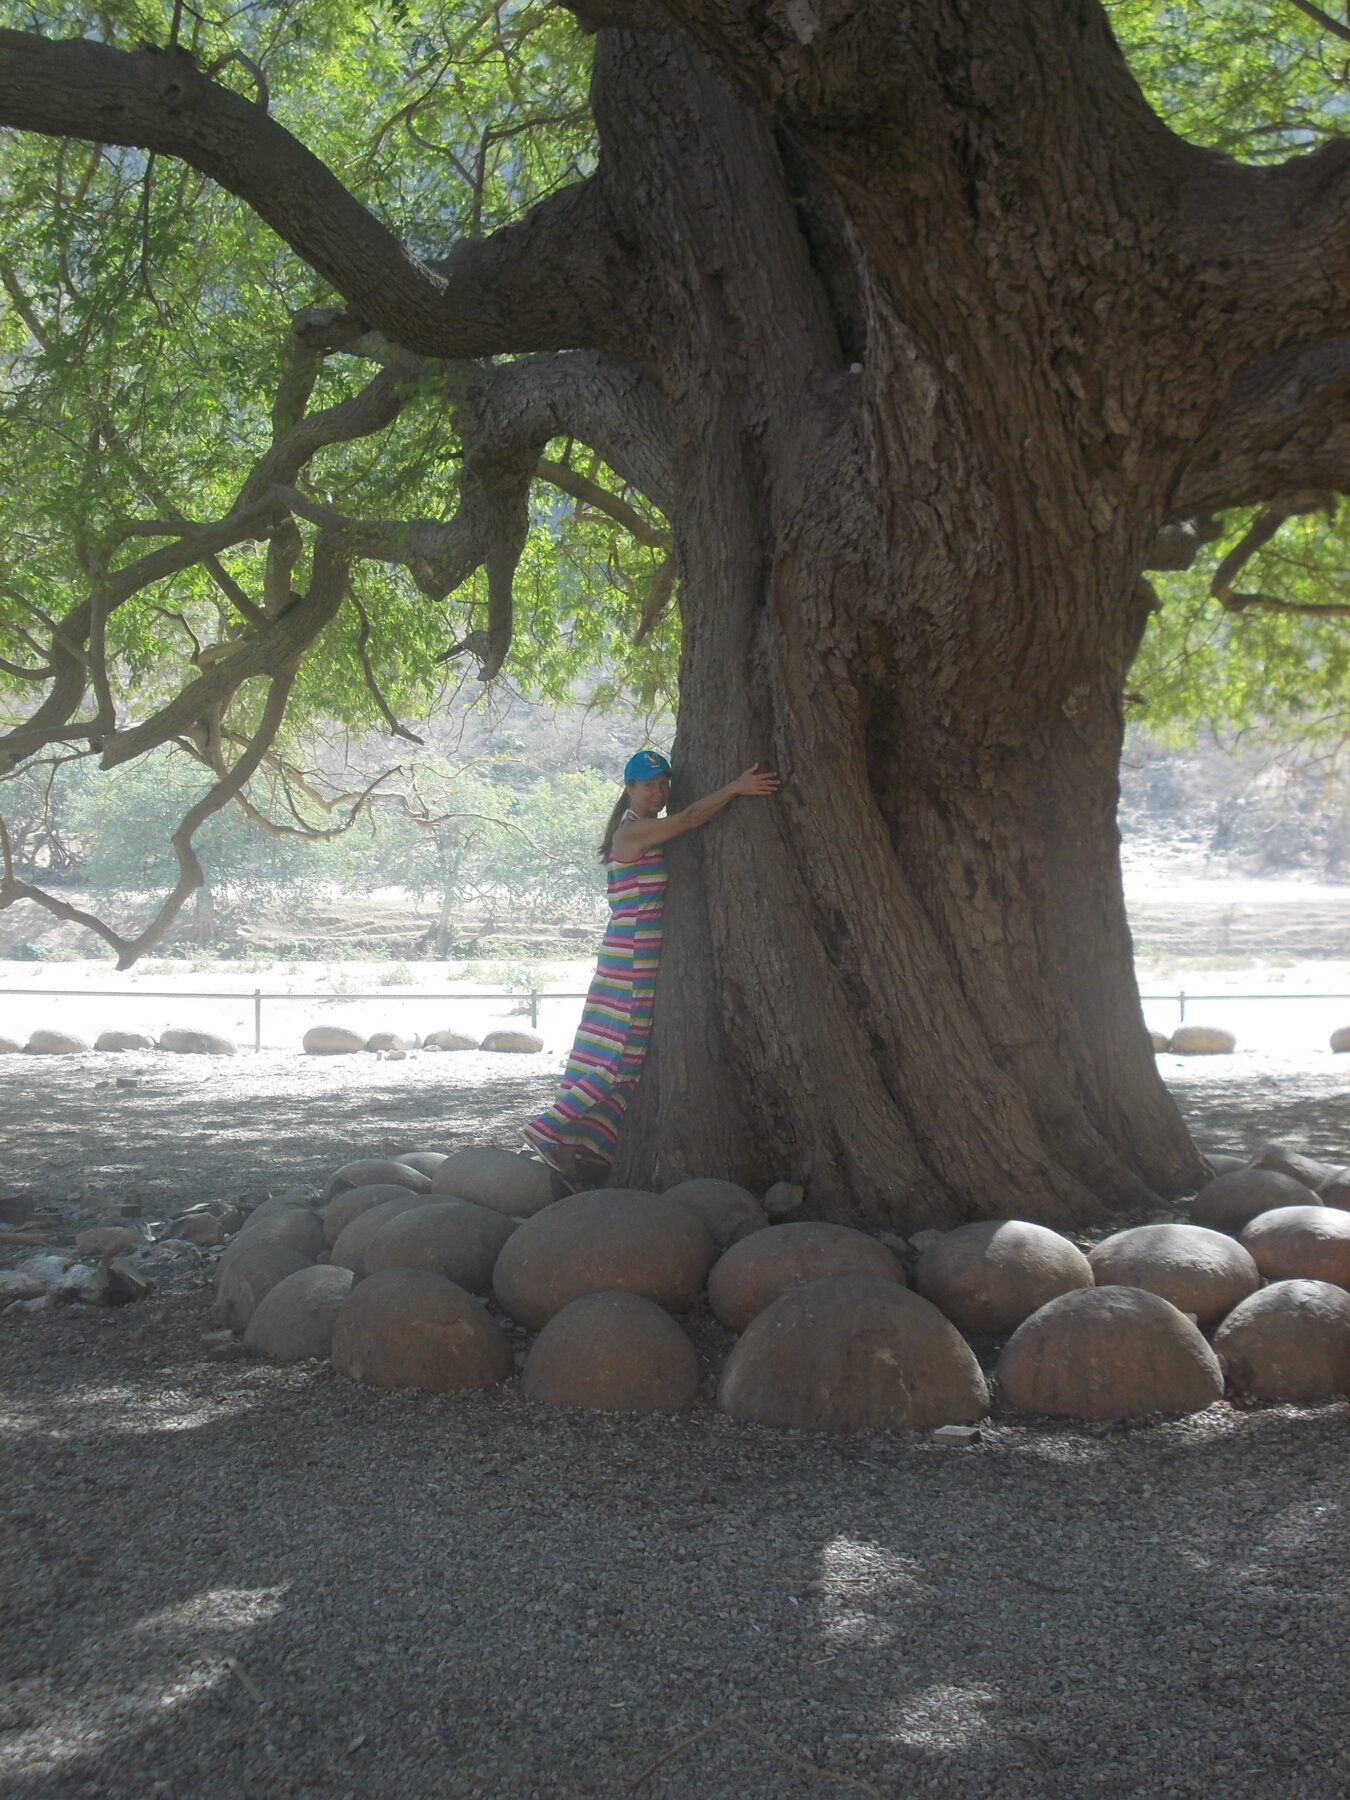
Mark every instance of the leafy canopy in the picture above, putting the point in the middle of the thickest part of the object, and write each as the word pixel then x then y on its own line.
pixel 1261 82
pixel 145 368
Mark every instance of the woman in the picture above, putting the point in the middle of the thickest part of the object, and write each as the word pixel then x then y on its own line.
pixel 577 1134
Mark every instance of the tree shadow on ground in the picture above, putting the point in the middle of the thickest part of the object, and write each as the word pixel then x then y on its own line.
pixel 234 1580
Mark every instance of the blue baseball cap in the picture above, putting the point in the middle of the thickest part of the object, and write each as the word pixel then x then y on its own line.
pixel 645 765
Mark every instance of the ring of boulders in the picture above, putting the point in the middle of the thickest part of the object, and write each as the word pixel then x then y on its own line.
pixel 449 1271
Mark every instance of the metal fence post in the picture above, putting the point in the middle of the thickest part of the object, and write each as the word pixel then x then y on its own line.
pixel 257 1019
pixel 534 1010
pixel 1181 999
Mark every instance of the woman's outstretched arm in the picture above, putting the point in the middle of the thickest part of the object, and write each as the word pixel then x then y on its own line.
pixel 638 835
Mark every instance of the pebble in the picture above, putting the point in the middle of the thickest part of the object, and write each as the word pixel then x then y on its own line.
pixel 117 1283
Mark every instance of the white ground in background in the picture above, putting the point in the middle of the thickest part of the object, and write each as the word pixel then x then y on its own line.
pixel 151 1002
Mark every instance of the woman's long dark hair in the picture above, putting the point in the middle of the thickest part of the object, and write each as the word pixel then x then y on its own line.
pixel 615 820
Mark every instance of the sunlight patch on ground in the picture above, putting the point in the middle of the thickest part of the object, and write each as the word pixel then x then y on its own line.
pixel 852 1573
pixel 942 1717
pixel 132 1678
pixel 131 1412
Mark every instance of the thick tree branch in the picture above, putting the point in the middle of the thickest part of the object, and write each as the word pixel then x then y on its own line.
pixel 554 280
pixel 1283 428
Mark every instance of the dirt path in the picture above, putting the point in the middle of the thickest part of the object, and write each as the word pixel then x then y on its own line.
pixel 241 1581
pixel 224 1579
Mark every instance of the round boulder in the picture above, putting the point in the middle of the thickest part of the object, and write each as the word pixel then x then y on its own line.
pixel 1201 1040
pixel 1336 1192
pixel 349 1249
pixel 755 1272
pixel 186 1042
pixel 1307 1169
pixel 331 1040
pixel 729 1212
pixel 54 1043
pixel 1289 1342
pixel 1109 1353
pixel 352 1202
pixel 387 1041
pixel 368 1169
pixel 1158 1042
pixel 852 1353
pixel 1224 1162
pixel 448 1040
pixel 295 1319
pixel 293 1225
pixel 202 1228
pixel 276 1204
pixel 1340 1038
pixel 425 1162
pixel 501 1179
pixel 253 1269
pixel 453 1238
pixel 1309 1243
pixel 1200 1271
pixel 615 1238
pixel 123 1040
pixel 10 1047
pixel 521 1043
pixel 989 1276
pixel 1230 1202
pixel 410 1328
pixel 612 1353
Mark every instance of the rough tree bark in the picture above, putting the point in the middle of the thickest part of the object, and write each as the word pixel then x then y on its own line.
pixel 926 328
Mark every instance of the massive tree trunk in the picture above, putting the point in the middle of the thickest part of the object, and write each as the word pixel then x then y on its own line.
pixel 921 327
pixel 907 982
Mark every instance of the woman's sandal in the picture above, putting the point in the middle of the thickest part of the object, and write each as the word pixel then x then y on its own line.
pixel 559 1160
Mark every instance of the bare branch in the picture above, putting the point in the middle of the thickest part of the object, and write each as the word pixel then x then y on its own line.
pixel 252 68
pixel 658 598
pixel 485 299
pixel 190 876
pixel 362 640
pixel 1337 27
pixel 591 493
pixel 1262 529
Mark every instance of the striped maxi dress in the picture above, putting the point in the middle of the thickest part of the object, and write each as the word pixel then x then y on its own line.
pixel 616 1022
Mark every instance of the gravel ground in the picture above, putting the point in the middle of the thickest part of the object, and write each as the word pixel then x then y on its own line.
pixel 224 1579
